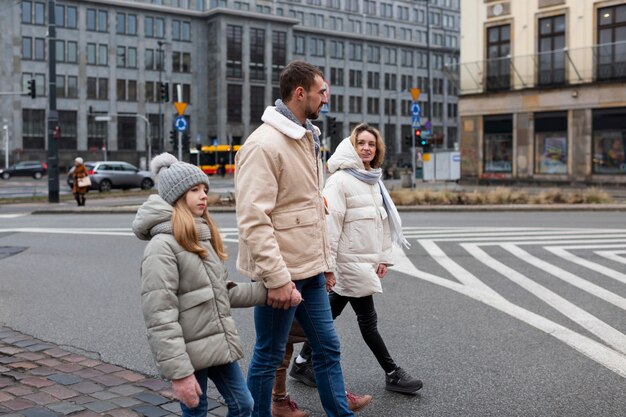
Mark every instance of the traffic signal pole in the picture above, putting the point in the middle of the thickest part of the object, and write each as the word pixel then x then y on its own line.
pixel 53 116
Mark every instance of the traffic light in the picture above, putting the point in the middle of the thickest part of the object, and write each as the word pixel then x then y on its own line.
pixel 332 126
pixel 407 141
pixel 165 92
pixel 32 88
pixel 56 132
pixel 172 138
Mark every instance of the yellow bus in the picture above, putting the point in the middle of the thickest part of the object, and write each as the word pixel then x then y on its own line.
pixel 211 158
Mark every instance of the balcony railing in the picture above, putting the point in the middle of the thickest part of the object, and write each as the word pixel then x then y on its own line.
pixel 604 62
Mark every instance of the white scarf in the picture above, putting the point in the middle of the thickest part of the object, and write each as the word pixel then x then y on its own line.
pixel 395 223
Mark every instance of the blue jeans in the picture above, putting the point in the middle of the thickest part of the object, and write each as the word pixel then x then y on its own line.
pixel 229 381
pixel 272 329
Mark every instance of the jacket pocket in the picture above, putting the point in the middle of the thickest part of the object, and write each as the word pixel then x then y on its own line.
pixel 198 315
pixel 360 226
pixel 298 235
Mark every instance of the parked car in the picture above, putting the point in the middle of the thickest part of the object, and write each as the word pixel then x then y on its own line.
pixel 106 175
pixel 36 169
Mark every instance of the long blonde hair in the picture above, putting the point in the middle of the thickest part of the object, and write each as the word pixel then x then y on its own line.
pixel 184 231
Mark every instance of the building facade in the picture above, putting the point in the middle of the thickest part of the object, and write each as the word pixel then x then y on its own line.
pixel 113 55
pixel 543 97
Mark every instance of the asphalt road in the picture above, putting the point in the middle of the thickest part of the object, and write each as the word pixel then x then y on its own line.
pixel 500 314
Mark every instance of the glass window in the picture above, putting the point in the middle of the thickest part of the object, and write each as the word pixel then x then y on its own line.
pixel 176 58
pixel 176 30
pixel 149 27
pixel 91 53
pixel 149 59
pixel 121 56
pixel 132 25
pixel 27 48
pixel 257 103
pixel 103 55
pixel 60 84
pixel 551 143
pixel 103 88
pixel 27 12
pixel 234 36
pixel 132 57
pixel 40 49
pixel 40 13
pixel 72 17
pixel 92 89
pixel 611 51
pixel 59 15
pixel 279 53
pixel 257 54
pixel 121 23
pixel 609 141
pixel 121 90
pixel 498 144
pixel 234 103
pixel 551 59
pixel 160 28
pixel 91 20
pixel 186 35
pixel 72 51
pixel 60 51
pixel 72 86
pixel 498 59
pixel 132 90
pixel 103 21
pixel 186 64
pixel 34 129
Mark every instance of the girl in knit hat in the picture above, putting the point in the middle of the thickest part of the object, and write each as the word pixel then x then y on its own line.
pixel 80 171
pixel 186 295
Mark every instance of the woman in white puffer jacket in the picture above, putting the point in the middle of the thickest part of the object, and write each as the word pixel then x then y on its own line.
pixel 362 225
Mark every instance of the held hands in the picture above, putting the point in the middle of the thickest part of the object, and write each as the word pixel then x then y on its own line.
pixel 381 271
pixel 284 297
pixel 330 280
pixel 187 390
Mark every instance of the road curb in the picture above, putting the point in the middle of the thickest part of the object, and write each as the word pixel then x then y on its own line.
pixel 426 208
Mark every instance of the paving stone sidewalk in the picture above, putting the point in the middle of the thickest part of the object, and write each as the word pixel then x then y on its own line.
pixel 39 379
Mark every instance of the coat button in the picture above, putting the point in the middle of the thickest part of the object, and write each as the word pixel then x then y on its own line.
pixel 297 220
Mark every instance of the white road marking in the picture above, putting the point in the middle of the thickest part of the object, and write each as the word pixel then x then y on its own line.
pixel 613 255
pixel 568 277
pixel 598 352
pixel 12 215
pixel 563 253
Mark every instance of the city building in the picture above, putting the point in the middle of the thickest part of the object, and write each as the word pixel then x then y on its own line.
pixel 542 91
pixel 113 57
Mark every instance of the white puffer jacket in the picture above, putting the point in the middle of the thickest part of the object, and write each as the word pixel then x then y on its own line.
pixel 358 227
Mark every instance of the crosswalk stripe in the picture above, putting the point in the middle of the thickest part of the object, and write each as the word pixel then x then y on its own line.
pixel 563 253
pixel 613 255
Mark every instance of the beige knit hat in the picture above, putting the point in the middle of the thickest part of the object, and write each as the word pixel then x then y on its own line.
pixel 175 177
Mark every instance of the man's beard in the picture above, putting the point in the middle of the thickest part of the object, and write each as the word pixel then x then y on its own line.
pixel 313 114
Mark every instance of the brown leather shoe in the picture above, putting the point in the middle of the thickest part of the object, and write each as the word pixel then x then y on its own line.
pixel 358 402
pixel 287 408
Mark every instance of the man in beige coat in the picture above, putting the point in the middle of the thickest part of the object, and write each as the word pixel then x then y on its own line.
pixel 283 237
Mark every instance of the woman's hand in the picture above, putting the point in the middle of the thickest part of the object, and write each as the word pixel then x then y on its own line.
pixel 381 271
pixel 330 280
pixel 187 390
pixel 296 297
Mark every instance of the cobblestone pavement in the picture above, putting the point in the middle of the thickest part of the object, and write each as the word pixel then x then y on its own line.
pixel 39 379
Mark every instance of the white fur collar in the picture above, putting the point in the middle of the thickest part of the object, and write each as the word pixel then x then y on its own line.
pixel 284 125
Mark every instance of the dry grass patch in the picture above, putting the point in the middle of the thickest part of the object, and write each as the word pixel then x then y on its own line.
pixel 497 196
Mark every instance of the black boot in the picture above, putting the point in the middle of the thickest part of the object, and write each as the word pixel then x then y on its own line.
pixel 77 197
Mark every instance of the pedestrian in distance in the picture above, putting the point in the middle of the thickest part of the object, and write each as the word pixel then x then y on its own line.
pixel 283 237
pixel 80 171
pixel 186 296
pixel 362 225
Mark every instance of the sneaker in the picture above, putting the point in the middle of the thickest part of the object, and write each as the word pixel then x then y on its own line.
pixel 401 381
pixel 287 408
pixel 303 372
pixel 358 402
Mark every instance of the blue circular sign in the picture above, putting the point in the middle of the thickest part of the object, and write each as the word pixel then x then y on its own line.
pixel 180 123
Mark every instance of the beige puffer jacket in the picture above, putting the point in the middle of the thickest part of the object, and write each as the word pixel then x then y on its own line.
pixel 280 208
pixel 358 227
pixel 186 300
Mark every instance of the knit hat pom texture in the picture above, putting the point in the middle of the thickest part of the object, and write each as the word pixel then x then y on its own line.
pixel 175 177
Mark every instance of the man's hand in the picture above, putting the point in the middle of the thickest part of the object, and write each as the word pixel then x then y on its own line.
pixel 330 280
pixel 187 390
pixel 280 297
pixel 381 271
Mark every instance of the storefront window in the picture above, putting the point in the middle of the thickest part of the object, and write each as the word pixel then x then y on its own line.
pixel 551 143
pixel 498 142
pixel 609 141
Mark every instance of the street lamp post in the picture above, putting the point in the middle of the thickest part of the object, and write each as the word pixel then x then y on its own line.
pixel 6 146
pixel 53 115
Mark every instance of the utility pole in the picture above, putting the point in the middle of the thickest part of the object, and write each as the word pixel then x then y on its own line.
pixel 6 146
pixel 53 116
pixel 160 64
